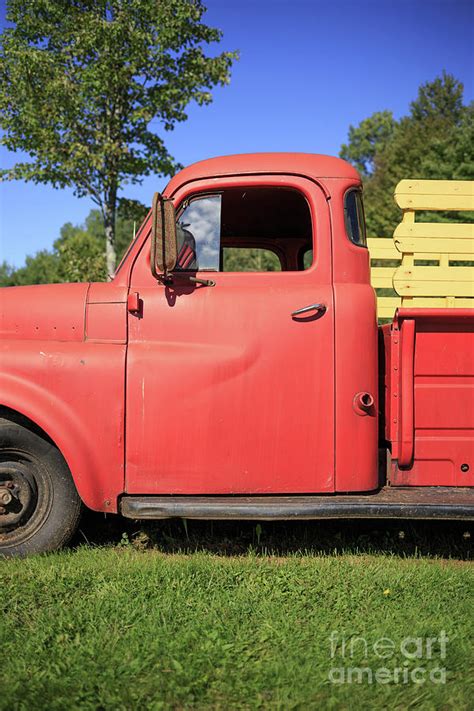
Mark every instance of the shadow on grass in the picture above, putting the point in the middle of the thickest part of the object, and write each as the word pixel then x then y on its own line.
pixel 443 539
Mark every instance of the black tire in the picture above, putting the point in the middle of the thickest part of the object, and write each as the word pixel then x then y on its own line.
pixel 39 504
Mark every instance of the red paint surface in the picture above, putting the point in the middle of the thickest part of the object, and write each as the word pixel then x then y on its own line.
pixel 221 391
pixel 356 363
pixel 218 378
pixel 407 392
pixel 430 414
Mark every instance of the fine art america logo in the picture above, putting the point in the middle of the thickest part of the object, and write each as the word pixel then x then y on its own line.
pixel 411 660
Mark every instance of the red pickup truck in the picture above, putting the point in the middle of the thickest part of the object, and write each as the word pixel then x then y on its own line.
pixel 187 388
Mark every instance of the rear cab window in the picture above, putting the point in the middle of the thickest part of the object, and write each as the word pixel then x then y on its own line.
pixel 354 217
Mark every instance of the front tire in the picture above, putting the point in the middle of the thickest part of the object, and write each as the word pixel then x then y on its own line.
pixel 39 504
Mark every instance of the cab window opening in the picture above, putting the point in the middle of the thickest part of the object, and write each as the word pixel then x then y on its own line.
pixel 245 230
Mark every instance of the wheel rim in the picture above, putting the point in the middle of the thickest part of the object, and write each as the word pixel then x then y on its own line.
pixel 25 497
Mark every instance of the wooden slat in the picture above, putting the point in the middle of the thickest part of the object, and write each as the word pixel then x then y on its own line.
pixel 435 202
pixel 386 306
pixel 382 248
pixel 434 281
pixel 382 277
pixel 437 238
pixel 435 187
pixel 437 230
pixel 432 246
pixel 435 194
pixel 427 302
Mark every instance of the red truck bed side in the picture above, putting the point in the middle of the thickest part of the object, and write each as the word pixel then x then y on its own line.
pixel 429 397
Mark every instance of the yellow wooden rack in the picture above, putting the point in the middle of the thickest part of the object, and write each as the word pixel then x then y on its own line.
pixel 426 264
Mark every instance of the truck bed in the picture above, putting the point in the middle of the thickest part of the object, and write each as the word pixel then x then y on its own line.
pixel 428 397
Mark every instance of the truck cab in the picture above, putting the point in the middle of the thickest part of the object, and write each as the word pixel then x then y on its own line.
pixel 246 355
pixel 242 367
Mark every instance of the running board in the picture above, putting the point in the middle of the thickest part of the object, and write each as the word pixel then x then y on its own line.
pixel 389 502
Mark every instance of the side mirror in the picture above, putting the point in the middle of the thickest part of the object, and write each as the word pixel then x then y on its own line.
pixel 164 246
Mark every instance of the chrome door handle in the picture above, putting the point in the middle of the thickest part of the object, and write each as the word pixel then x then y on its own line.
pixel 320 309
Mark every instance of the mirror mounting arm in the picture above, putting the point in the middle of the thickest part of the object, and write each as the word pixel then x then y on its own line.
pixel 204 282
pixel 166 278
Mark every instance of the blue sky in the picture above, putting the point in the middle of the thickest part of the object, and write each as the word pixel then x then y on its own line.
pixel 308 70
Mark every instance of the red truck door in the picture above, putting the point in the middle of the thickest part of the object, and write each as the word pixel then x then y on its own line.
pixel 227 392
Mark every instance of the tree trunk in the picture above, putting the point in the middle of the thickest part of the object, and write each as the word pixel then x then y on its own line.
pixel 109 224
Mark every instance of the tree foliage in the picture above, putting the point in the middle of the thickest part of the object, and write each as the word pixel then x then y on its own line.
pixel 435 141
pixel 248 259
pixel 85 83
pixel 42 268
pixel 78 253
pixel 368 139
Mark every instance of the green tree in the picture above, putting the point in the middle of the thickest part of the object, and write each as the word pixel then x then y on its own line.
pixel 248 259
pixel 81 258
pixel 78 253
pixel 435 141
pixel 81 84
pixel 6 274
pixel 367 139
pixel 42 268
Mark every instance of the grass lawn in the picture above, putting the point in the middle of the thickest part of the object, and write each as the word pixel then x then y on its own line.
pixel 240 617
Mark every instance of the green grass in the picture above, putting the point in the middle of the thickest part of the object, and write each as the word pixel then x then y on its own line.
pixel 239 619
